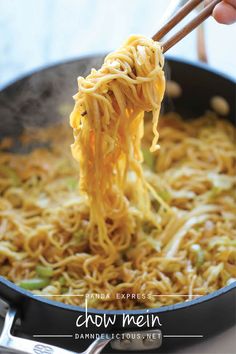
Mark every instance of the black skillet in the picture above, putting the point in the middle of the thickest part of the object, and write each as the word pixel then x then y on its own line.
pixel 34 101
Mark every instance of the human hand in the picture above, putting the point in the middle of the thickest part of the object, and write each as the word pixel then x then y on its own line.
pixel 225 11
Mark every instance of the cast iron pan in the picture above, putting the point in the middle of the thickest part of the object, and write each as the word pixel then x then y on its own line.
pixel 34 101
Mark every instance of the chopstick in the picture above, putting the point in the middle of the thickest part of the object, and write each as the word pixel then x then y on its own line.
pixel 184 11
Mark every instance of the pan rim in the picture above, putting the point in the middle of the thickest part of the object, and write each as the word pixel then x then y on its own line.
pixel 162 309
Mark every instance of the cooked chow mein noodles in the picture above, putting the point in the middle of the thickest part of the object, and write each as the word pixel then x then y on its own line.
pixel 108 128
pixel 161 232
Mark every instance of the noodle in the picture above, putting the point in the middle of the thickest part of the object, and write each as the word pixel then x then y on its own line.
pixel 108 127
pixel 162 228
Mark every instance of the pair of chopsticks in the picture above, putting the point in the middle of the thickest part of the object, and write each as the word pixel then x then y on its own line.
pixel 183 12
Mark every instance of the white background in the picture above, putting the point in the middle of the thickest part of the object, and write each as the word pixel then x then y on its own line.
pixel 34 33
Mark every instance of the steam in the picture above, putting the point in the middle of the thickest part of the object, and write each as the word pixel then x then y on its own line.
pixel 42 98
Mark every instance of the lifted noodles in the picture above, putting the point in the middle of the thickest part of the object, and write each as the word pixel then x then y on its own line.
pixel 108 121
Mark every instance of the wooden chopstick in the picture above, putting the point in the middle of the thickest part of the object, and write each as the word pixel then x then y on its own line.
pixel 183 11
pixel 202 16
pixel 201 44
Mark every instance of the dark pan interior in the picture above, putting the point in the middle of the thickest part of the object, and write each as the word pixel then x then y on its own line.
pixel 199 85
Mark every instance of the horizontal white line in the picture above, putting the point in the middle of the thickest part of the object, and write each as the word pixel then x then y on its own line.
pixel 177 295
pixel 54 295
pixel 53 335
pixel 183 335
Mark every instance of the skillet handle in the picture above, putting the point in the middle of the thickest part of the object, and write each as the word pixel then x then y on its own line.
pixel 15 344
